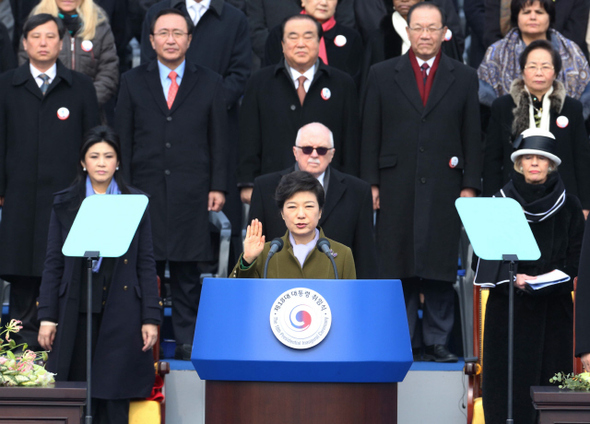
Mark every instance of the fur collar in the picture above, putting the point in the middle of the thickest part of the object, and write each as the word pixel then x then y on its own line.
pixel 522 101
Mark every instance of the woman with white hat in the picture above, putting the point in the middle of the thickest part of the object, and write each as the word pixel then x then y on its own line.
pixel 543 317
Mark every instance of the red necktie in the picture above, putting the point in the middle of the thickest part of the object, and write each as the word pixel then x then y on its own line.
pixel 424 68
pixel 301 89
pixel 173 89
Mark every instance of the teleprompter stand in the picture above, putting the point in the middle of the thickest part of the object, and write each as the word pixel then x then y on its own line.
pixel 104 228
pixel 498 231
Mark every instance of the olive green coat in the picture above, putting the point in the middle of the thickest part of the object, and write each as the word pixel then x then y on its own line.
pixel 284 264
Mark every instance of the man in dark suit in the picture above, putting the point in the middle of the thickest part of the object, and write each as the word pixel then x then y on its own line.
pixel 172 120
pixel 45 109
pixel 221 42
pixel 282 98
pixel 421 149
pixel 348 199
pixel 264 15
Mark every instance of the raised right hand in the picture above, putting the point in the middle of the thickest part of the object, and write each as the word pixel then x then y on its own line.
pixel 254 241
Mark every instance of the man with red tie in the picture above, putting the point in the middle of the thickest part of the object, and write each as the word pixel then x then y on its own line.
pixel 172 119
pixel 421 149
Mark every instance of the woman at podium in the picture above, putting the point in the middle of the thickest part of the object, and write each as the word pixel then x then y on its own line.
pixel 543 333
pixel 126 307
pixel 300 198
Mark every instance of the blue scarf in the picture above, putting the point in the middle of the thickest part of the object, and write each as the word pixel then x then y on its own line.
pixel 112 189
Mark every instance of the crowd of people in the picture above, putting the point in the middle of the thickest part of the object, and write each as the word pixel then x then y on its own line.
pixel 356 121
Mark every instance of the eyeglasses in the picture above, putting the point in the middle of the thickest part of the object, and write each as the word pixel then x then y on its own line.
pixel 165 34
pixel 308 150
pixel 428 30
pixel 543 68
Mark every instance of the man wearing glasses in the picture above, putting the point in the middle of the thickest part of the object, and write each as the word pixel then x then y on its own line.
pixel 172 119
pixel 421 150
pixel 347 216
pixel 281 98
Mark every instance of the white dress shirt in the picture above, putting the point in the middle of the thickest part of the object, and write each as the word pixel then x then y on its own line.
pixel 51 73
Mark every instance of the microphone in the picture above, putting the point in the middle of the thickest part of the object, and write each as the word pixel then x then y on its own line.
pixel 324 246
pixel 275 246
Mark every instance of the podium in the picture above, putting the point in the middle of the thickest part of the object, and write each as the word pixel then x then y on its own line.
pixel 350 377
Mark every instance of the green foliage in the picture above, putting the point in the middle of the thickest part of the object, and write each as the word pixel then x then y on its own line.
pixel 580 382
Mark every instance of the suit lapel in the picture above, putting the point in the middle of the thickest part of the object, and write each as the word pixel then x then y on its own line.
pixel 155 85
pixel 189 79
pixel 443 80
pixel 336 189
pixel 406 80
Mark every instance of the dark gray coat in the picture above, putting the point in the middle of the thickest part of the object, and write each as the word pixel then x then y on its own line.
pixel 38 156
pixel 175 155
pixel 120 370
pixel 406 149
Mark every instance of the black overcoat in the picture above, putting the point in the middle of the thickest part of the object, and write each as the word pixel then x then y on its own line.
pixel 573 148
pixel 39 155
pixel 175 155
pixel 347 216
pixel 543 327
pixel 120 370
pixel 347 57
pixel 406 151
pixel 271 115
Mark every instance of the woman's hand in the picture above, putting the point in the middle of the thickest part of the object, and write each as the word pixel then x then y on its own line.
pixel 254 241
pixel 149 332
pixel 520 282
pixel 47 335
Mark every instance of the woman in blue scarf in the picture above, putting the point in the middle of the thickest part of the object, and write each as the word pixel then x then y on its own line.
pixel 126 309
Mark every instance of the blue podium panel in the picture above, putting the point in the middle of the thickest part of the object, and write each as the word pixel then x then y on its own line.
pixel 368 341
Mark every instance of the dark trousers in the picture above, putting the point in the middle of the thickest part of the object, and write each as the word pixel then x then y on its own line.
pixel 23 307
pixel 438 311
pixel 185 287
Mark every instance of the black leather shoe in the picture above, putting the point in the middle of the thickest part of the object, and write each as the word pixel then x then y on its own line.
pixel 183 352
pixel 439 353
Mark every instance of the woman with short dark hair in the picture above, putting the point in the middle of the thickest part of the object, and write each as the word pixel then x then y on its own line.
pixel 300 197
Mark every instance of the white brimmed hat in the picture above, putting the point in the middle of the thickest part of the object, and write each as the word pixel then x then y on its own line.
pixel 536 141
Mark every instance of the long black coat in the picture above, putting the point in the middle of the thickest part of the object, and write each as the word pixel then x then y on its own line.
pixel 263 15
pixel 406 150
pixel 542 322
pixel 38 156
pixel 347 216
pixel 120 370
pixel 271 115
pixel 347 57
pixel 175 155
pixel 573 148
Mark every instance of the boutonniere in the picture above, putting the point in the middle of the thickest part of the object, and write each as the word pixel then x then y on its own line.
pixel 334 254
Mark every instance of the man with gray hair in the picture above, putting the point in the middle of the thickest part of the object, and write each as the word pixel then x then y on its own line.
pixel 348 199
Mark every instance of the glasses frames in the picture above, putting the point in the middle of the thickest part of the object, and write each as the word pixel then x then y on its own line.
pixel 308 150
